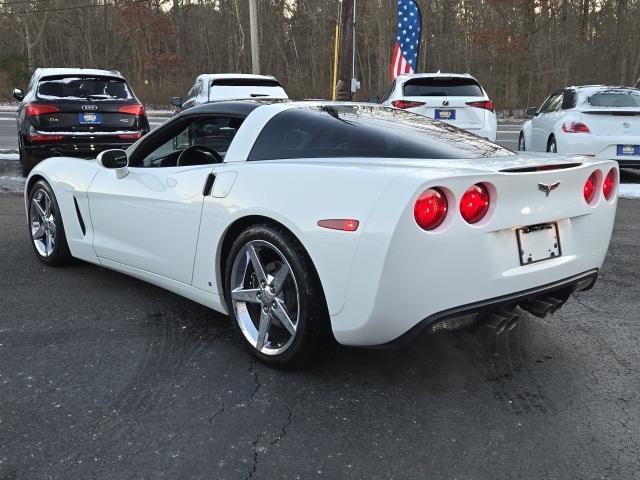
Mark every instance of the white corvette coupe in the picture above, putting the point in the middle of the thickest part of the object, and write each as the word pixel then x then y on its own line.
pixel 597 121
pixel 302 220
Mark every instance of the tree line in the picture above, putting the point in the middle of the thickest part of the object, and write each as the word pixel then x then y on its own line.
pixel 520 50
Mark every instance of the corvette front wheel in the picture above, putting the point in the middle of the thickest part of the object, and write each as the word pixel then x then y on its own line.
pixel 274 296
pixel 45 226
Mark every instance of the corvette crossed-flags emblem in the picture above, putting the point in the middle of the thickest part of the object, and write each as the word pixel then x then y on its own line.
pixel 543 187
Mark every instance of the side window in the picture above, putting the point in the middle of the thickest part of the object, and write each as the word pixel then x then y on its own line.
pixel 389 91
pixel 569 99
pixel 553 103
pixel 213 134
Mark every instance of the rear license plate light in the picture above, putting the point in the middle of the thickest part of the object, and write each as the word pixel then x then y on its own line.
pixel 538 243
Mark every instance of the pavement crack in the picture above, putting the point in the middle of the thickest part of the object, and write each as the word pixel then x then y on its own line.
pixel 283 433
pixel 588 307
pixel 252 371
pixel 217 414
pixel 256 448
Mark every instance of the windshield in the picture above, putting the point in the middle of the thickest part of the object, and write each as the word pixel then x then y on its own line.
pixel 615 98
pixel 442 87
pixel 96 88
pixel 336 131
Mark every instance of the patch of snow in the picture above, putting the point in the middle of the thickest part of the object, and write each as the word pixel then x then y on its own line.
pixel 629 190
pixel 9 156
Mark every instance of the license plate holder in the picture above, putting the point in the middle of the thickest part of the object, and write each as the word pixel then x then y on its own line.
pixel 90 118
pixel 445 114
pixel 628 150
pixel 537 243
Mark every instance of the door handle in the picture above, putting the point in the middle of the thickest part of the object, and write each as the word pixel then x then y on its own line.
pixel 208 185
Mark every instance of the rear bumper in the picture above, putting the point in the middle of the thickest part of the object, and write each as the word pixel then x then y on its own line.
pixel 601 147
pixel 83 149
pixel 561 289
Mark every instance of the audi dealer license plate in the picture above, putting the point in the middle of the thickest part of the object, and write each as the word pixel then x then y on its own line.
pixel 538 243
pixel 90 118
pixel 445 114
pixel 628 150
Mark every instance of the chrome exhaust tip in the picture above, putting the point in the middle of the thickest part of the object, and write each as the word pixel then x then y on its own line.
pixel 542 307
pixel 501 321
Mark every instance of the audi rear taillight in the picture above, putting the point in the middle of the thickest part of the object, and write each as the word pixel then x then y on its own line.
pixel 430 209
pixel 484 104
pixel 575 127
pixel 136 109
pixel 45 138
pixel 406 104
pixel 344 224
pixel 35 109
pixel 590 187
pixel 609 184
pixel 474 203
pixel 130 136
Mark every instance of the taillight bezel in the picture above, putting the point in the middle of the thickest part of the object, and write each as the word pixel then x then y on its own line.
pixel 614 175
pixel 404 104
pixel 593 199
pixel 481 217
pixel 441 221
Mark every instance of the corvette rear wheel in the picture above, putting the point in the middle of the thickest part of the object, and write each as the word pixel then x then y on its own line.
pixel 45 226
pixel 274 296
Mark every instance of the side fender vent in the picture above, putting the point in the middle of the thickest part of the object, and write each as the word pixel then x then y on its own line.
pixel 80 220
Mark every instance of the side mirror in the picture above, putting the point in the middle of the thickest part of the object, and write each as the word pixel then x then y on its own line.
pixel 374 99
pixel 18 94
pixel 115 160
pixel 176 102
pixel 532 112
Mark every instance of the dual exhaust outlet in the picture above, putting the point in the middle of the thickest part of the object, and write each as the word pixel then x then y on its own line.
pixel 501 321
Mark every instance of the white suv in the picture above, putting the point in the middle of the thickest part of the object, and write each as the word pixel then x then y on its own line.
pixel 454 98
pixel 210 87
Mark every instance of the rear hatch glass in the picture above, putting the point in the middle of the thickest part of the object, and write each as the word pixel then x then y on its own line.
pixel 446 99
pixel 86 104
pixel 245 88
pixel 613 112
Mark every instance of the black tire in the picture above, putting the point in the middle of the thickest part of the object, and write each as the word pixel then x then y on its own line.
pixel 552 145
pixel 521 144
pixel 312 327
pixel 26 161
pixel 59 253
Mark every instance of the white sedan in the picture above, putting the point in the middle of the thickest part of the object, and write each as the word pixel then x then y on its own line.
pixel 597 121
pixel 306 219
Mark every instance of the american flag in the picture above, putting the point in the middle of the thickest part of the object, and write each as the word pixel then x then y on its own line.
pixel 407 44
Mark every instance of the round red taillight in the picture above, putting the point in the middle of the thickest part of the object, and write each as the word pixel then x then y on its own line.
pixel 474 204
pixel 430 209
pixel 589 190
pixel 608 186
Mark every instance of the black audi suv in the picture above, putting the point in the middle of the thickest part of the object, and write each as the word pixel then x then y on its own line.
pixel 76 112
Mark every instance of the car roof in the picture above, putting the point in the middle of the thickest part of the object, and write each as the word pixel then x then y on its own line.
pixel 54 72
pixel 410 76
pixel 246 106
pixel 224 76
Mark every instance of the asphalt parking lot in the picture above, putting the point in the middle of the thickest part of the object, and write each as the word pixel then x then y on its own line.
pixel 105 377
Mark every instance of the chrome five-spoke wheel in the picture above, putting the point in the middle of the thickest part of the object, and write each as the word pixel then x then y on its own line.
pixel 265 297
pixel 42 223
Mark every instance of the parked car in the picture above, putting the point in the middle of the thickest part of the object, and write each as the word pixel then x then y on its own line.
pixel 595 120
pixel 458 99
pixel 228 86
pixel 420 227
pixel 76 112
